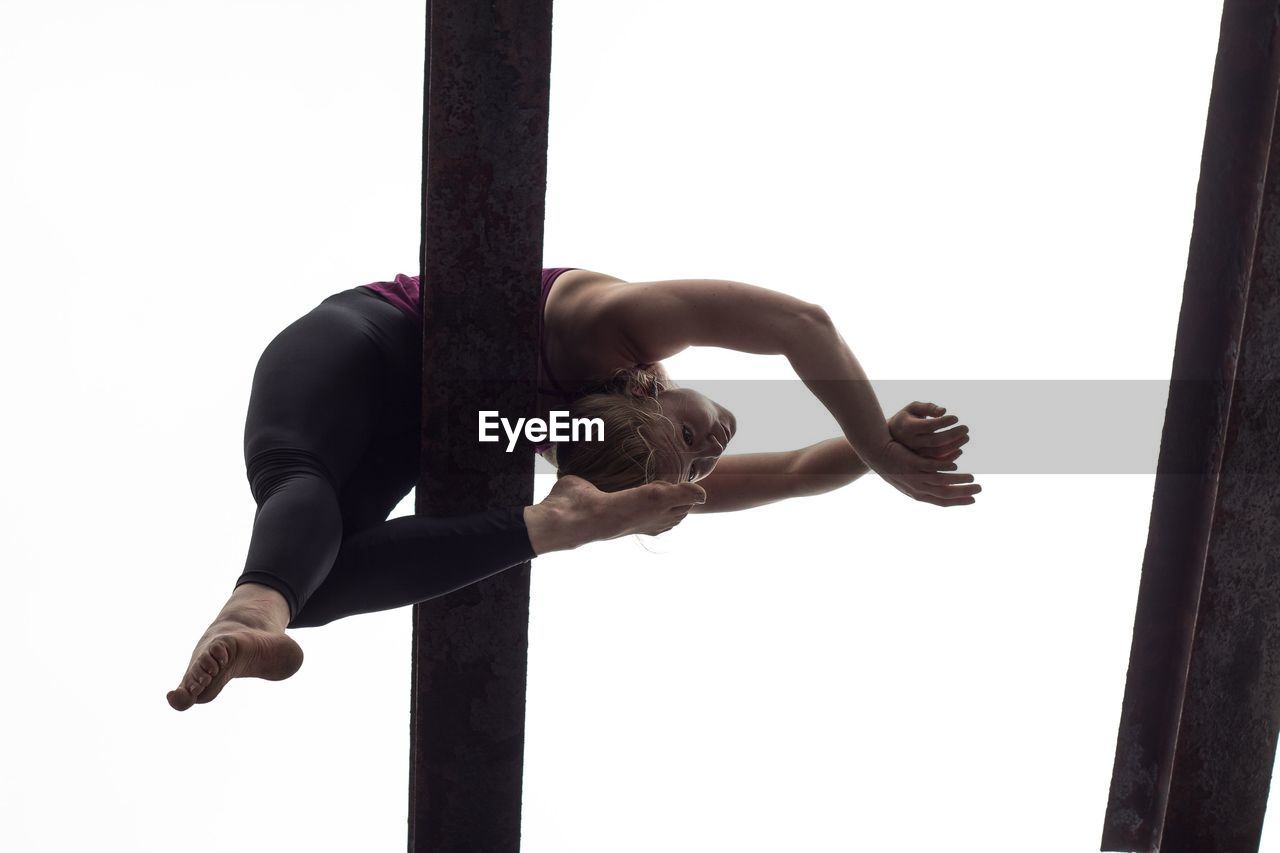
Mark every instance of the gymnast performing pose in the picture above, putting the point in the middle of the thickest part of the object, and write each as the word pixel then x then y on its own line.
pixel 332 434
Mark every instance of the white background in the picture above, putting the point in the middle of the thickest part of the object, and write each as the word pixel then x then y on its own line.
pixel 982 190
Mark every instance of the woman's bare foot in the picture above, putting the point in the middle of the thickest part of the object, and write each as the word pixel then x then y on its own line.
pixel 246 639
pixel 576 512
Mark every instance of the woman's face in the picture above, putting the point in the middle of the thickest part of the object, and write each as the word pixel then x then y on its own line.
pixel 702 428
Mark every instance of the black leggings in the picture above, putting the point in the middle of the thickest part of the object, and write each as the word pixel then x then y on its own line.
pixel 331 445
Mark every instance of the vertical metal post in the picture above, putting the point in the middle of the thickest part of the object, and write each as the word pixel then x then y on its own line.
pixel 486 99
pixel 1200 716
pixel 1230 717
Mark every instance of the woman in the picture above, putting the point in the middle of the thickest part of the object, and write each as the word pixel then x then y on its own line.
pixel 332 443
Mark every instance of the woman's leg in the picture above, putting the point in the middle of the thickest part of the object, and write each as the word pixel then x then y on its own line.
pixel 411 559
pixel 414 558
pixel 319 393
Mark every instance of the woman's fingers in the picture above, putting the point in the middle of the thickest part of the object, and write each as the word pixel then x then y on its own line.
pixel 929 499
pixel 952 489
pixel 945 491
pixel 948 493
pixel 926 465
pixel 921 410
pixel 936 440
pixel 941 454
pixel 941 479
pixel 922 478
pixel 921 426
pixel 934 428
pixel 931 464
pixel 955 490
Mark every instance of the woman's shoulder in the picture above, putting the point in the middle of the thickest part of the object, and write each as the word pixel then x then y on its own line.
pixel 577 345
pixel 571 296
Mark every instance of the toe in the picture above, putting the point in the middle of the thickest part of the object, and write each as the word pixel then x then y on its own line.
pixel 222 650
pixel 180 699
pixel 210 694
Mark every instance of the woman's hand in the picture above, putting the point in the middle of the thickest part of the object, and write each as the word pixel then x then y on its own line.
pixel 919 461
pixel 916 425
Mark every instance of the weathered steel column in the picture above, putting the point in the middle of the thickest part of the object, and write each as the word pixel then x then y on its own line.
pixel 484 183
pixel 1231 714
pixel 1200 716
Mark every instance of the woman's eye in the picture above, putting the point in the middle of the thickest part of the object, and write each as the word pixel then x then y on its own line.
pixel 688 435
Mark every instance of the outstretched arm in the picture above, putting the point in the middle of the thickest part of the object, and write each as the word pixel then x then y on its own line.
pixel 746 480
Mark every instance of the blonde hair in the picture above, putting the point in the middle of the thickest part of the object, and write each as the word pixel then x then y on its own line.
pixel 633 451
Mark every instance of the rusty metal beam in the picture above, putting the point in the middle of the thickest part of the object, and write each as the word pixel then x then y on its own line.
pixel 486 99
pixel 1197 730
pixel 1231 713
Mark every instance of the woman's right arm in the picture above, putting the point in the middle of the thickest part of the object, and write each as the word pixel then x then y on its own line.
pixel 746 480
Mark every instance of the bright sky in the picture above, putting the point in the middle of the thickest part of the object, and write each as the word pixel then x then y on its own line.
pixel 979 191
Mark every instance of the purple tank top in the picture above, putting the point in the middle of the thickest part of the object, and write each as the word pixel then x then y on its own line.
pixel 405 292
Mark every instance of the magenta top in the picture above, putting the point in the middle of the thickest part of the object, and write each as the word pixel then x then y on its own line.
pixel 405 292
